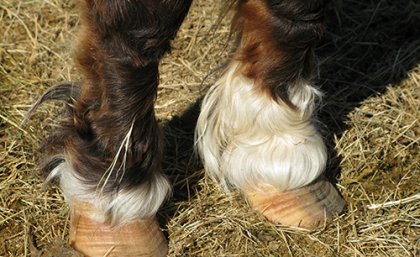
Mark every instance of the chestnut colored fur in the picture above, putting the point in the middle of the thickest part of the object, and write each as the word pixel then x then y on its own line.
pixel 277 41
pixel 120 46
pixel 109 138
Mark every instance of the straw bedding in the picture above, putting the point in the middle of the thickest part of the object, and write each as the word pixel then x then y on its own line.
pixel 369 71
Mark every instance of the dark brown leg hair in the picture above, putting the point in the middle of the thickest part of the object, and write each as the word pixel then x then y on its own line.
pixel 277 41
pixel 119 50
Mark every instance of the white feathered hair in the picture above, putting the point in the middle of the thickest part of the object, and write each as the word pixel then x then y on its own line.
pixel 246 138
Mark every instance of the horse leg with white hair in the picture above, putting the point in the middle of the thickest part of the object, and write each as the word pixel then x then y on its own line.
pixel 106 155
pixel 255 131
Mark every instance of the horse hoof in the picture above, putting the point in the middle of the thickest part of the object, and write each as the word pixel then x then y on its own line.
pixel 92 238
pixel 307 207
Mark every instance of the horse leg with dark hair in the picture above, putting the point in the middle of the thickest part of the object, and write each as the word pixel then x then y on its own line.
pixel 255 130
pixel 106 155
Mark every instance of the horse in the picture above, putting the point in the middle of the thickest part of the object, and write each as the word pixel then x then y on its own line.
pixel 255 132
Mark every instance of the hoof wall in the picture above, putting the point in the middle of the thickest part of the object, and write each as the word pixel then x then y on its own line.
pixel 141 237
pixel 307 207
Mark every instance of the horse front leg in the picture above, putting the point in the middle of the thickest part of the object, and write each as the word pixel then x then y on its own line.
pixel 107 151
pixel 255 130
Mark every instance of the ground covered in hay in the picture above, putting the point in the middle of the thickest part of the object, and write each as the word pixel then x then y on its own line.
pixel 369 71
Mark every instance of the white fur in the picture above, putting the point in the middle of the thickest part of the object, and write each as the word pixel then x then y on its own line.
pixel 246 138
pixel 122 206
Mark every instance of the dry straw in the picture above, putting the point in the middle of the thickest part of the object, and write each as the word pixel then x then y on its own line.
pixel 369 69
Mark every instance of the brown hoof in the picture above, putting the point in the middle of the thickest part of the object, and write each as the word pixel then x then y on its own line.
pixel 93 238
pixel 307 207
